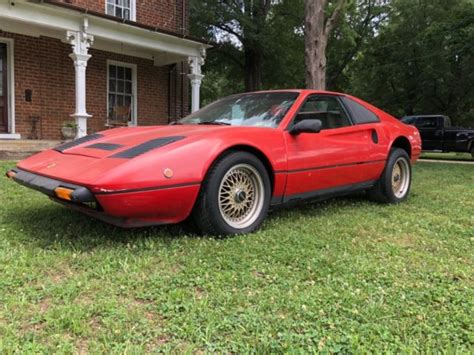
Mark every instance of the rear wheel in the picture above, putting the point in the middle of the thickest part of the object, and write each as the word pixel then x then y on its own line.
pixel 235 196
pixel 395 182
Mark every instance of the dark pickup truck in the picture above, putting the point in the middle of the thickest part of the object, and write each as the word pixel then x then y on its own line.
pixel 438 134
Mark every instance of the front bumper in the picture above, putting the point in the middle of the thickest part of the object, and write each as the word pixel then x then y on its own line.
pixel 48 186
pixel 125 209
pixel 82 200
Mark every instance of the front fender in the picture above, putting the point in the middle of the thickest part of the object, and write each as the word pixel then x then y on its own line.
pixel 190 159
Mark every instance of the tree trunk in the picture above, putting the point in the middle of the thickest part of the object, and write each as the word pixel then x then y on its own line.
pixel 253 52
pixel 315 44
pixel 316 31
pixel 252 69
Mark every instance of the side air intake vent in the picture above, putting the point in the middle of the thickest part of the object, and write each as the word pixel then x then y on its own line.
pixel 146 147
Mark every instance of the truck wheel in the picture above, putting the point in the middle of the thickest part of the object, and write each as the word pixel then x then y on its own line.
pixel 395 182
pixel 234 197
pixel 472 150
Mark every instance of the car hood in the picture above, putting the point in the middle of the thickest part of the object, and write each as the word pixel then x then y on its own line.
pixel 130 157
pixel 117 142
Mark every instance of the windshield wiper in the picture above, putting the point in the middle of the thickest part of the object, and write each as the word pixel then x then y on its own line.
pixel 217 123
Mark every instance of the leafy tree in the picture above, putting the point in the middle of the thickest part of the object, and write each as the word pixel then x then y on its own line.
pixel 359 24
pixel 259 43
pixel 421 61
pixel 406 56
pixel 281 42
pixel 240 26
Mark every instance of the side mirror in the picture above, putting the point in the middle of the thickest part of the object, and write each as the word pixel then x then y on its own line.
pixel 306 126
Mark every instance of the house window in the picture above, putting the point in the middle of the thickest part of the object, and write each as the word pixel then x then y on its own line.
pixel 121 8
pixel 121 92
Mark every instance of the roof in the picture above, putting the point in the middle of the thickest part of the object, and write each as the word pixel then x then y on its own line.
pixel 128 22
pixel 302 91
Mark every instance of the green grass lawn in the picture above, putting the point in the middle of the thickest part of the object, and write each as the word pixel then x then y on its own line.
pixel 343 275
pixel 447 156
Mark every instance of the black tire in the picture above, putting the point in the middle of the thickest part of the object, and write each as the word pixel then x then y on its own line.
pixel 383 190
pixel 472 150
pixel 208 214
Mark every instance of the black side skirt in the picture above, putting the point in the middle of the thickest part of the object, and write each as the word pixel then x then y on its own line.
pixel 323 194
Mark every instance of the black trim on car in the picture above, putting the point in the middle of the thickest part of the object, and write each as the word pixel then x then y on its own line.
pixel 328 167
pixel 146 147
pixel 47 186
pixel 61 148
pixel 152 188
pixel 105 146
pixel 331 192
pixel 276 200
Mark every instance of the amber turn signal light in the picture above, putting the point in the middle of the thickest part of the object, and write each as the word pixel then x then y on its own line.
pixel 63 193
pixel 11 174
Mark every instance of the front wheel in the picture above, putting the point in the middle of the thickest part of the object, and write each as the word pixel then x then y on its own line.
pixel 395 182
pixel 235 196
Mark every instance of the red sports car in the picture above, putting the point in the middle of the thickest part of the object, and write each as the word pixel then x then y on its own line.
pixel 227 164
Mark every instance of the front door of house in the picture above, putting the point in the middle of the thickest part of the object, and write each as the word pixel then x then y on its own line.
pixel 3 89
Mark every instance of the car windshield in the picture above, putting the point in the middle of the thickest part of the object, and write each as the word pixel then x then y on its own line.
pixel 254 109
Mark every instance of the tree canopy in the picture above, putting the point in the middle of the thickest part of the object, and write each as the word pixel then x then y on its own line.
pixel 422 60
pixel 405 56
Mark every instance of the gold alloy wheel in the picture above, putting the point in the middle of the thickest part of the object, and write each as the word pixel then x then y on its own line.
pixel 400 177
pixel 241 196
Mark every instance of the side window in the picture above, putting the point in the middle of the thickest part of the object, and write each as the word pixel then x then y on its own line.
pixel 427 122
pixel 359 113
pixel 327 109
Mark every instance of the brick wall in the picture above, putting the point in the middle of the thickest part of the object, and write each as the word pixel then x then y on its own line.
pixel 164 14
pixel 43 65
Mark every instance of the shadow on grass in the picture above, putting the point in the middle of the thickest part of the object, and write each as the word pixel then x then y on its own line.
pixel 57 226
pixel 54 226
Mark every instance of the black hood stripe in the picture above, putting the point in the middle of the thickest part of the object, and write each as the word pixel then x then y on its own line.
pixel 146 147
pixel 105 146
pixel 61 148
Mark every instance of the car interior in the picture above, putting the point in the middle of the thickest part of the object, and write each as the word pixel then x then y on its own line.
pixel 326 109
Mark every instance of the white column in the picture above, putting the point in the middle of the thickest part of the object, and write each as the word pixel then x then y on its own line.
pixel 80 42
pixel 195 78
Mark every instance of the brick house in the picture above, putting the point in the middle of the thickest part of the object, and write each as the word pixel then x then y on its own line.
pixel 99 63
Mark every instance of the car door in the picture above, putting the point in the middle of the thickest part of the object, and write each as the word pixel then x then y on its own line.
pixel 431 132
pixel 337 158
